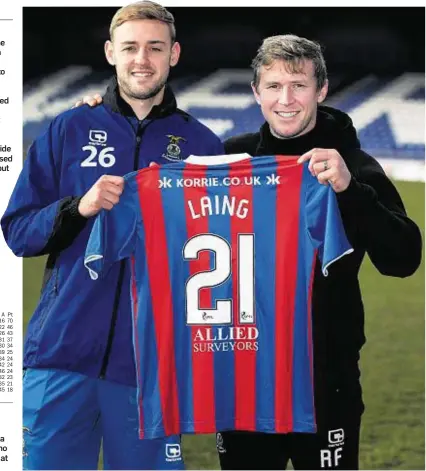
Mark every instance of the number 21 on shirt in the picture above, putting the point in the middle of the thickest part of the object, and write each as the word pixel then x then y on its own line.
pixel 222 271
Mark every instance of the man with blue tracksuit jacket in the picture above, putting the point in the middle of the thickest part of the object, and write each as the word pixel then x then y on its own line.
pixel 79 383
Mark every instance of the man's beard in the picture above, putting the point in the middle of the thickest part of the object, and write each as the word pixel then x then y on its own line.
pixel 142 95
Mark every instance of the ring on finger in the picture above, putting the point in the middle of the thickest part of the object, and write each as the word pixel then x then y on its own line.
pixel 325 165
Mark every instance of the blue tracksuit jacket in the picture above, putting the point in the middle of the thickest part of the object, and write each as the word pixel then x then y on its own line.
pixel 79 325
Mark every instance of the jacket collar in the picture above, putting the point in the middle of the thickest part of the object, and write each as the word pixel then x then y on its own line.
pixel 113 100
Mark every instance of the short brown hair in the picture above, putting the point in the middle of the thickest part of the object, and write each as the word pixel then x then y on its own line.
pixel 293 50
pixel 145 10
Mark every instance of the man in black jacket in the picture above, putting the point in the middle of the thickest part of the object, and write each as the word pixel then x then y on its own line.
pixel 290 81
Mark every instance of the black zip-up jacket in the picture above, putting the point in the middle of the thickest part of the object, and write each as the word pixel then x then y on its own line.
pixel 375 222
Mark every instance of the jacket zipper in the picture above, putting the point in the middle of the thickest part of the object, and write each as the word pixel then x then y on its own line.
pixel 139 131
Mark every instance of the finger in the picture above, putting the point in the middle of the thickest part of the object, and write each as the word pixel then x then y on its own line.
pixel 114 179
pixel 313 161
pixel 310 154
pixel 325 177
pixel 108 187
pixel 98 98
pixel 319 167
pixel 90 100
pixel 107 205
pixel 78 103
pixel 110 198
pixel 306 156
pixel 318 157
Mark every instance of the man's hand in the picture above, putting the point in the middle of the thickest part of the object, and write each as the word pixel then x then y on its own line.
pixel 104 194
pixel 329 167
pixel 91 100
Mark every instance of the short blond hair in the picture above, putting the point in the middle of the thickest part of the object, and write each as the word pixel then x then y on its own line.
pixel 293 50
pixel 145 10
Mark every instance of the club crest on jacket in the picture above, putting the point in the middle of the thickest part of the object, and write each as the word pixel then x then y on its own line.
pixel 173 150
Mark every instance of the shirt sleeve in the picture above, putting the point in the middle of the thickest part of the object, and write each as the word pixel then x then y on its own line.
pixel 113 236
pixel 325 225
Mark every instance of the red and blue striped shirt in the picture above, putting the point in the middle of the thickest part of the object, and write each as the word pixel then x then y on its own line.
pixel 222 253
